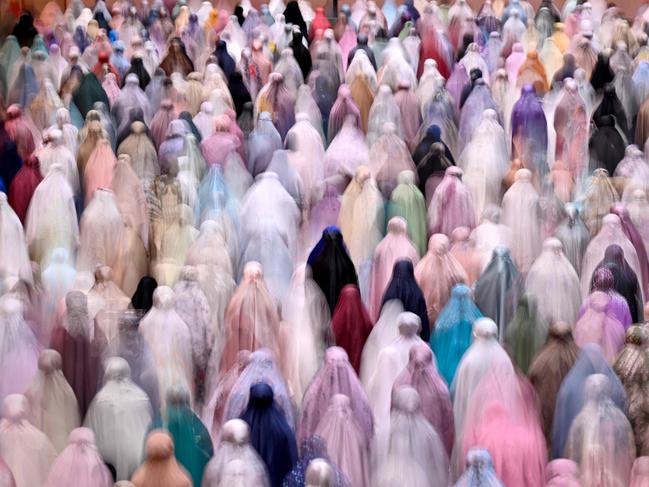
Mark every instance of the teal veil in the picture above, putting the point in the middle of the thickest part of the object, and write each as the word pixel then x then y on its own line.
pixel 453 328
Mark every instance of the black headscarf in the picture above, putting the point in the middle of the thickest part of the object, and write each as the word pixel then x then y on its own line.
pixel 331 267
pixel 238 91
pixel 361 45
pixel 10 159
pixel 101 21
pixel 293 15
pixel 404 287
pixel 611 105
pixel 138 69
pixel 24 30
pixel 225 61
pixel 567 70
pixel 301 53
pixel 467 39
pixel 606 145
pixel 602 72
pixel 238 13
pixel 142 300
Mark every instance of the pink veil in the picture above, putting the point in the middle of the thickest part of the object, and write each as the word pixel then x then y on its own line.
pixel 251 319
pixel 597 325
pixel 346 441
pixel 395 246
pixel 436 273
pixel 389 156
pixel 336 376
pixel 27 451
pixel 640 472
pixel 422 375
pixel 80 463
pixel 99 169
pixel 451 205
pixel 562 473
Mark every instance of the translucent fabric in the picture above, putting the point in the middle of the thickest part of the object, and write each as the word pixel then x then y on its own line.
pixel 130 97
pixel 605 454
pixel 412 447
pixel 306 155
pixel 306 331
pixel 160 468
pixel 57 279
pixel 562 472
pixel 407 202
pixel 452 204
pixel 464 250
pixel 80 463
pixel 530 132
pixel 129 344
pixel 22 131
pixel 101 232
pixel 106 301
pixel 476 103
pixel 57 153
pixel 504 401
pixel 421 374
pixel 390 361
pixel 236 459
pixel 555 284
pixel 275 98
pixel 572 395
pixel 336 376
pixel 346 153
pixel 120 415
pixel 384 109
pixel 130 198
pixel 346 441
pixel 598 197
pixel 389 156
pixel 479 471
pixel 596 325
pixel 452 335
pixel 571 127
pixel 160 122
pixel 394 247
pixel 342 108
pixel 52 404
pixel 262 142
pixel 362 217
pixel 139 146
pixel 250 329
pixel 574 236
pixel 14 261
pixel 630 367
pixel 482 356
pixel 548 369
pixel 526 332
pixel 499 287
pixel 611 233
pixel 269 214
pixel 25 449
pixel 437 272
pixel 170 342
pixel 23 185
pixel 18 348
pixel 639 472
pixel 484 169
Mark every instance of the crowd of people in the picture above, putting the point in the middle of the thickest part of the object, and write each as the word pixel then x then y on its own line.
pixel 247 247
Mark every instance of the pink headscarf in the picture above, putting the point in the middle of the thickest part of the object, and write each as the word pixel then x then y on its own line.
pixel 336 376
pixel 408 104
pixel 421 374
pixel 451 205
pixel 160 122
pixel 639 473
pixel 395 246
pixel 346 441
pixel 437 272
pixel 99 170
pixel 251 319
pixel 79 464
pixel 562 473
pixel 598 326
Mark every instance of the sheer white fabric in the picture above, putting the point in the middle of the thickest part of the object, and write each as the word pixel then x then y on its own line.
pixel 120 415
pixel 14 258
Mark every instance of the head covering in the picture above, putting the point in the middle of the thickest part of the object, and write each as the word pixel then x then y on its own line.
pixel 160 468
pixel 270 434
pixel 142 300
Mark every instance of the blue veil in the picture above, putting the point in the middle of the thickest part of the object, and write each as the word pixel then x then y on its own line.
pixel 453 331
pixel 213 198
pixel 270 434
pixel 570 399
